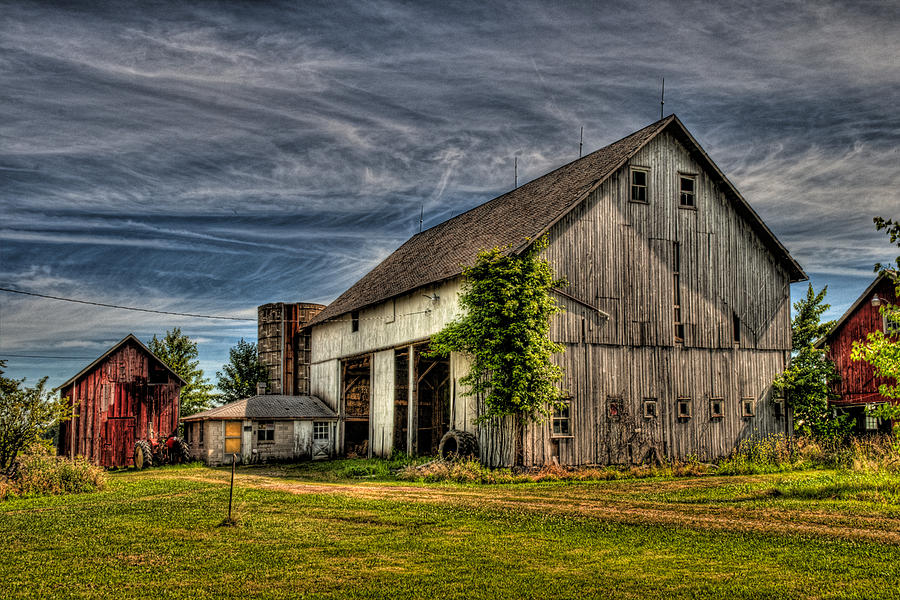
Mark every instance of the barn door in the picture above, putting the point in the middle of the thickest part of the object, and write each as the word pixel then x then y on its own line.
pixel 117 444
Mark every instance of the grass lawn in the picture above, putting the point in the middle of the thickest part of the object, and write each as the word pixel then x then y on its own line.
pixel 306 532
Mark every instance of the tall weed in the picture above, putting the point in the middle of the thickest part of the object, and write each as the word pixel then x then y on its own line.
pixel 41 472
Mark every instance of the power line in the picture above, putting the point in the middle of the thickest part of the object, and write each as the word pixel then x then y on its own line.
pixel 104 305
pixel 43 356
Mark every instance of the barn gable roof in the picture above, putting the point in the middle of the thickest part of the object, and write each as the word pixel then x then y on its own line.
pixel 266 407
pixel 853 308
pixel 520 216
pixel 128 338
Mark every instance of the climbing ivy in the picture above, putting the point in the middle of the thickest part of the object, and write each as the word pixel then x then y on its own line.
pixel 505 332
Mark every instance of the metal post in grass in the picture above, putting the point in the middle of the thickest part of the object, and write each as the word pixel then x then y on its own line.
pixel 231 491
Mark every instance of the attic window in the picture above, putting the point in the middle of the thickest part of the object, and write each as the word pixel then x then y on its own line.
pixel 639 179
pixel 157 375
pixel 354 321
pixel 687 191
pixel 716 408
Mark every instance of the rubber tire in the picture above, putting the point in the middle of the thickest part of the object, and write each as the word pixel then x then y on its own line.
pixel 143 456
pixel 183 451
pixel 457 445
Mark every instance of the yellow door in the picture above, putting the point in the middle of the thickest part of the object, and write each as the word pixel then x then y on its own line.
pixel 232 437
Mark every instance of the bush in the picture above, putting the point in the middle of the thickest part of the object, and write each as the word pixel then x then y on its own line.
pixel 41 472
pixel 771 454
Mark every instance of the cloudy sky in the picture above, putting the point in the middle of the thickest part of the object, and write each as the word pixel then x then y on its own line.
pixel 207 158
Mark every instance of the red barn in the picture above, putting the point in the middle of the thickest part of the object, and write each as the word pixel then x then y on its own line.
pixel 128 394
pixel 859 385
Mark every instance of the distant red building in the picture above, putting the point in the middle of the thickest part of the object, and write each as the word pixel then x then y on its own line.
pixel 127 394
pixel 859 385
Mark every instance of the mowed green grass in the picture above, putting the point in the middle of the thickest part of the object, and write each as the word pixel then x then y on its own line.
pixel 156 534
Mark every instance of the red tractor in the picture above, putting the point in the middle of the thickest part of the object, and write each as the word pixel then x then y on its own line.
pixel 163 451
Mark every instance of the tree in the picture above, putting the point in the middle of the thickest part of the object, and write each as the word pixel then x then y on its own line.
pixel 179 352
pixel 806 382
pixel 505 333
pixel 242 372
pixel 881 349
pixel 25 414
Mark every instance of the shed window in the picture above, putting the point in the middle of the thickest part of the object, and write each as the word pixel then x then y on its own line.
pixel 748 407
pixel 320 430
pixel 650 411
pixel 639 179
pixel 354 321
pixel 200 434
pixel 686 191
pixel 265 431
pixel 716 408
pixel 685 410
pixel 562 426
pixel 871 421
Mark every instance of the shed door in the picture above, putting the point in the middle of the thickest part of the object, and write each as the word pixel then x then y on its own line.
pixel 117 444
pixel 233 437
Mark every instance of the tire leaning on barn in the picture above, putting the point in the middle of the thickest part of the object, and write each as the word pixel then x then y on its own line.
pixel 143 456
pixel 183 450
pixel 458 444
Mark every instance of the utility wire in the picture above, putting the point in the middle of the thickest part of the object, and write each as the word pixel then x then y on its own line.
pixel 104 305
pixel 42 356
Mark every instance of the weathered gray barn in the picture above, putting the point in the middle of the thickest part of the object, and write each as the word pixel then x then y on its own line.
pixel 261 429
pixel 677 315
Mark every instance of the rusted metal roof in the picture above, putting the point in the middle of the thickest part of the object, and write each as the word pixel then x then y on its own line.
pixel 268 407
pixel 129 337
pixel 517 218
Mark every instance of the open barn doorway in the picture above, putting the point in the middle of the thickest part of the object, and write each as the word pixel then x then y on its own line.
pixel 432 414
pixel 356 375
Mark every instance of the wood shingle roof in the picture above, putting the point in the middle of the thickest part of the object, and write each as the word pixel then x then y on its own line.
pixel 266 407
pixel 514 218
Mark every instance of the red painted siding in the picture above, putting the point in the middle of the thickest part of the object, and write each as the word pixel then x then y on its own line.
pixel 858 381
pixel 115 405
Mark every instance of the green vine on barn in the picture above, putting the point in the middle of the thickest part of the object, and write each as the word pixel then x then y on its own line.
pixel 505 332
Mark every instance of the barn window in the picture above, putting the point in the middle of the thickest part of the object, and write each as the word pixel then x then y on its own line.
pixel 639 179
pixel 735 328
pixel 158 375
pixel 613 407
pixel 265 431
pixel 748 407
pixel 562 426
pixel 650 408
pixel 676 293
pixel 320 430
pixel 687 191
pixel 716 408
pixel 354 320
pixel 891 325
pixel 778 406
pixel 871 421
pixel 685 410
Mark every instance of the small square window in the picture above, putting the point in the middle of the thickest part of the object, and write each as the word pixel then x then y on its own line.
pixel 891 326
pixel 687 191
pixel 685 410
pixel 562 426
pixel 613 407
pixel 639 179
pixel 265 431
pixel 650 411
pixel 778 407
pixel 354 321
pixel 871 422
pixel 321 430
pixel 716 408
pixel 748 407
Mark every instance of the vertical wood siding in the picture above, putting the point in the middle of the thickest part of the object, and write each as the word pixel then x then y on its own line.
pixel 115 406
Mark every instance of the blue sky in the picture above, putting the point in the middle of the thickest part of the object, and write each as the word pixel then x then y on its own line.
pixel 210 157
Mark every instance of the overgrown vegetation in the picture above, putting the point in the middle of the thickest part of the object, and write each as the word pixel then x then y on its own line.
pixel 179 352
pixel 806 382
pixel 505 331
pixel 25 414
pixel 882 349
pixel 40 472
